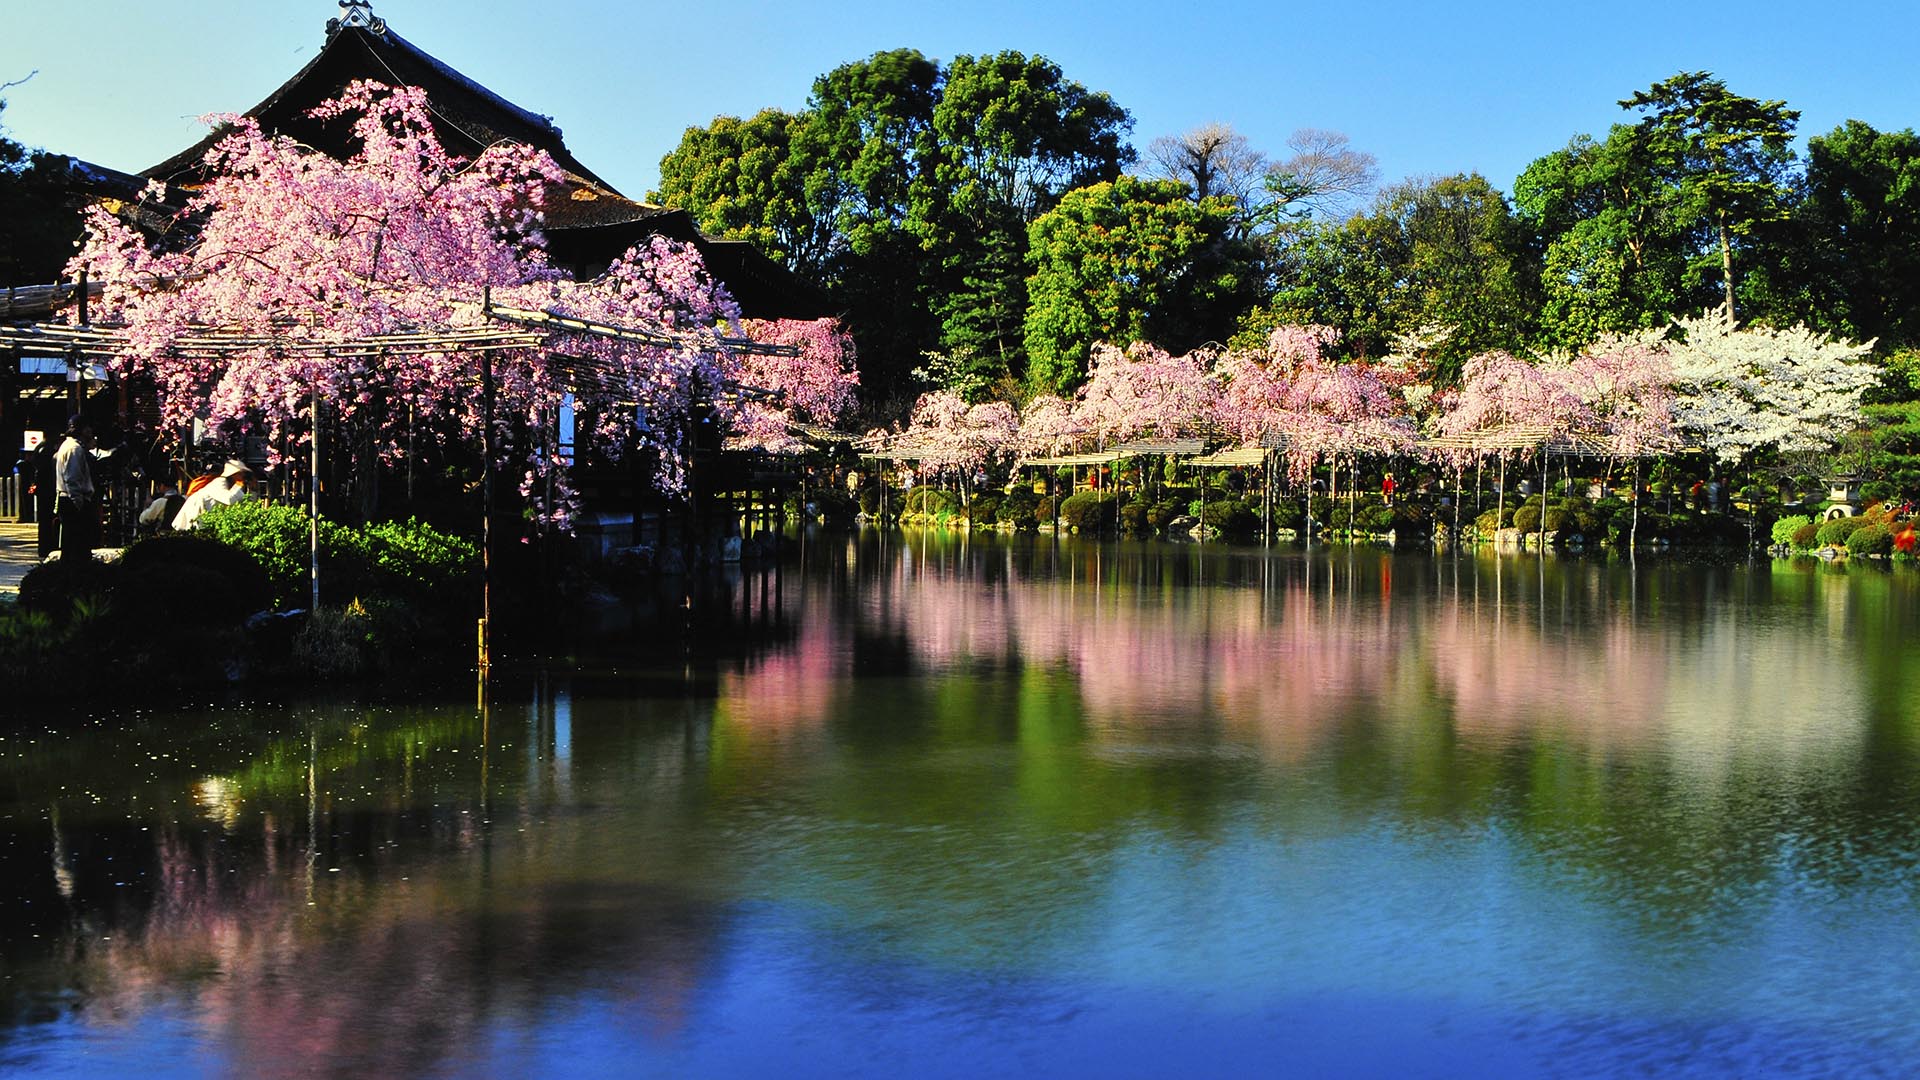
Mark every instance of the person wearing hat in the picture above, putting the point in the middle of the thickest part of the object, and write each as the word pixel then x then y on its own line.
pixel 229 487
pixel 75 505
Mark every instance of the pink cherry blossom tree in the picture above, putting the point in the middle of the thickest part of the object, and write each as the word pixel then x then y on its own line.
pixel 817 386
pixel 1627 386
pixel 948 437
pixel 1048 427
pixel 1506 405
pixel 1320 410
pixel 1143 392
pixel 401 238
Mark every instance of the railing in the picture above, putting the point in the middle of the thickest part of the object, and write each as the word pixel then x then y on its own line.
pixel 13 498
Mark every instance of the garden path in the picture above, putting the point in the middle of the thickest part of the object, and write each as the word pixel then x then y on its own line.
pixel 17 555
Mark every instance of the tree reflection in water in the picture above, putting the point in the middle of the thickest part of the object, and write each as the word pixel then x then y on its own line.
pixel 948 781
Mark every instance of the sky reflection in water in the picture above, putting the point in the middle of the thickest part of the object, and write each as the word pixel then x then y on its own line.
pixel 977 807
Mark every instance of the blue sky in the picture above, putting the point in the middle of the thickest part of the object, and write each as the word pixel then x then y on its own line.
pixel 1428 88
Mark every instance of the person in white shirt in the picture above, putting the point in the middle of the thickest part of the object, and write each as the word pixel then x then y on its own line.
pixel 75 506
pixel 160 513
pixel 227 488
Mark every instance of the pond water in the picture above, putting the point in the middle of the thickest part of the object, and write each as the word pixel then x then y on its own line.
pixel 947 806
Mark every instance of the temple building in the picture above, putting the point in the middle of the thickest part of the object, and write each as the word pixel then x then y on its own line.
pixel 588 222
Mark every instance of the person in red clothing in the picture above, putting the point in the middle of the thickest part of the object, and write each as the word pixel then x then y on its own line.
pixel 1387 488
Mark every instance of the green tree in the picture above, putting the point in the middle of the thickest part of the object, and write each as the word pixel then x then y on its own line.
pixel 1440 254
pixel 1339 274
pixel 1012 135
pixel 868 141
pixel 1644 226
pixel 1132 260
pixel 1464 269
pixel 908 190
pixel 741 180
pixel 1849 261
pixel 38 222
pixel 1723 158
pixel 1611 258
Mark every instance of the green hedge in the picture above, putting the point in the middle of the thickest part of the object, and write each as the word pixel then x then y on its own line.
pixel 406 560
pixel 1873 539
pixel 1229 516
pixel 1805 537
pixel 1835 532
pixel 930 502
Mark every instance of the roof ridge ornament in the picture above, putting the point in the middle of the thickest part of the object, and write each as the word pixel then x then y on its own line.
pixel 357 13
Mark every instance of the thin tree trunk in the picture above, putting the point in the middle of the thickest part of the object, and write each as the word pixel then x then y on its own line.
pixel 1726 262
pixel 1633 537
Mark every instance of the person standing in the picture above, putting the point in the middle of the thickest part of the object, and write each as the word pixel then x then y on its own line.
pixel 75 505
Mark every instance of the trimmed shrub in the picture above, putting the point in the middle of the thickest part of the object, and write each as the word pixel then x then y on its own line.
pixel 1527 518
pixel 150 571
pixel 53 589
pixel 277 538
pixel 1835 532
pixel 985 509
pixel 1804 537
pixel 1228 516
pixel 1133 517
pixel 1088 511
pixel 1374 519
pixel 1784 528
pixel 407 560
pixel 930 502
pixel 180 594
pixel 1043 511
pixel 830 504
pixel 1409 521
pixel 1872 539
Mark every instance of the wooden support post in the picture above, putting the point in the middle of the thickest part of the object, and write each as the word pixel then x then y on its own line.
pixel 1266 497
pixel 1543 502
pixel 313 500
pixel 485 643
pixel 1501 506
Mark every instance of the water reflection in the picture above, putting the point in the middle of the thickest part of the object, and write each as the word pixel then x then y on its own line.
pixel 979 805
